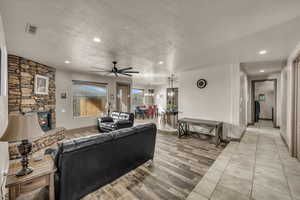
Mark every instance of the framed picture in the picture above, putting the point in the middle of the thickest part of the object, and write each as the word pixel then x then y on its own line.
pixel 261 97
pixel 63 95
pixel 41 84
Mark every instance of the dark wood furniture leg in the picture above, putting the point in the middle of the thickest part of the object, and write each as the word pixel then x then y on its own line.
pixel 218 135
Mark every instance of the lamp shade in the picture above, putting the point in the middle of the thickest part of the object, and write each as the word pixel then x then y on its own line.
pixel 22 127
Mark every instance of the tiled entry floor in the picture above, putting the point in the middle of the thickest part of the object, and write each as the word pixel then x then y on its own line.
pixel 259 167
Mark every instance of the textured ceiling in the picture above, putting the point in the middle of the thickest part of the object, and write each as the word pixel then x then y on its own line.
pixel 140 33
pixel 269 67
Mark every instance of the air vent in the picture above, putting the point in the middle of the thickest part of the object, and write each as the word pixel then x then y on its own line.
pixel 30 28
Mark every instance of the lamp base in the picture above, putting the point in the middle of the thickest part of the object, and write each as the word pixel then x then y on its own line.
pixel 24 171
pixel 24 149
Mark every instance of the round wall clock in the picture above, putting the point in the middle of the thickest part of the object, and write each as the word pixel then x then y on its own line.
pixel 201 83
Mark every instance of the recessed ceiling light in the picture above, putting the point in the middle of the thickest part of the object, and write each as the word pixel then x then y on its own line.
pixel 261 71
pixel 96 39
pixel 161 62
pixel 262 52
pixel 67 62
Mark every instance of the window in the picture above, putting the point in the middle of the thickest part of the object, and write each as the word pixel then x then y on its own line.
pixel 89 99
pixel 137 97
pixel 149 97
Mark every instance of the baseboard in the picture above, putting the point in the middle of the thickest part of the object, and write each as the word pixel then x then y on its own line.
pixel 238 139
pixel 267 119
pixel 284 141
pixel 250 124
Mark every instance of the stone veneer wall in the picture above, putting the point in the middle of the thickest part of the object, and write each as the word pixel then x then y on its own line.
pixel 21 96
pixel 49 139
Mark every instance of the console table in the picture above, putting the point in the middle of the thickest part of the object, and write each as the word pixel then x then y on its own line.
pixel 184 127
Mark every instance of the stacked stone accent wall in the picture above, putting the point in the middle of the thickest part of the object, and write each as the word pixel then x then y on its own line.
pixel 50 138
pixel 21 96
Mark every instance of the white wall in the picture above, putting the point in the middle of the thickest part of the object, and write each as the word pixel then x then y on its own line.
pixel 218 101
pixel 244 100
pixel 64 107
pixel 3 108
pixel 287 134
pixel 3 95
pixel 160 97
pixel 284 92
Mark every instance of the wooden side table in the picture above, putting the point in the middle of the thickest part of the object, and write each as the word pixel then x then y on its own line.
pixel 42 176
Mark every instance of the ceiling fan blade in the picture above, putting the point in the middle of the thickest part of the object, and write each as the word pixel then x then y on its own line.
pixel 124 69
pixel 100 71
pixel 99 68
pixel 126 74
pixel 106 74
pixel 136 72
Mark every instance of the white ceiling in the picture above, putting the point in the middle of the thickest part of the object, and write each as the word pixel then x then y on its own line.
pixel 140 33
pixel 269 67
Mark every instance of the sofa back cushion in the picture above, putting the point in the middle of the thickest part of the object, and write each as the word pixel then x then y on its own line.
pixel 85 164
pixel 126 116
pixel 115 115
pixel 77 163
pixel 133 148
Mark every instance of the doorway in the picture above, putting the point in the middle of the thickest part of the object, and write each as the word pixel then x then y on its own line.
pixel 264 102
pixel 123 97
pixel 296 109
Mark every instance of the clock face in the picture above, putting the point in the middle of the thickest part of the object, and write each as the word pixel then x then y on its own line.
pixel 201 83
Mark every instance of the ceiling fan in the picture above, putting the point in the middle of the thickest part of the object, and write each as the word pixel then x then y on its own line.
pixel 123 71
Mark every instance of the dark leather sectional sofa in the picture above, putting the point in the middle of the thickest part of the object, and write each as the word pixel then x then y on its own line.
pixel 117 120
pixel 88 163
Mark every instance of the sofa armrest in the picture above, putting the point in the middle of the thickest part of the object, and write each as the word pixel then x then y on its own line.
pixel 123 124
pixel 105 119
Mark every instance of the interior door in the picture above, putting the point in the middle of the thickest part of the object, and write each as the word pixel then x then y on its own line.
pixel 123 97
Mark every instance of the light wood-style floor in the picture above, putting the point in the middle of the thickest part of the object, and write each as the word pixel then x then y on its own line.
pixel 179 164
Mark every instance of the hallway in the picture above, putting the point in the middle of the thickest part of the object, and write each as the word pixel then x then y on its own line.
pixel 264 124
pixel 259 167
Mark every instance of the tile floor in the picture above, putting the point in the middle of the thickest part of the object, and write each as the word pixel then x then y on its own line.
pixel 257 168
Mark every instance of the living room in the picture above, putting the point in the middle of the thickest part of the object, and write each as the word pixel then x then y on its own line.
pixel 149 100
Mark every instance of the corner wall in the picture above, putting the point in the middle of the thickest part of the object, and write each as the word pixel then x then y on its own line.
pixel 244 100
pixel 3 108
pixel 218 101
pixel 287 133
pixel 284 94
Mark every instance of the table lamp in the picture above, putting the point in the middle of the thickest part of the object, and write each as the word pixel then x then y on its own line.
pixel 23 128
